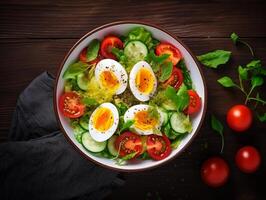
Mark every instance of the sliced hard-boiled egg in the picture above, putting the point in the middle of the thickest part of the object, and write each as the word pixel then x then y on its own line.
pixel 103 122
pixel 111 75
pixel 142 81
pixel 144 124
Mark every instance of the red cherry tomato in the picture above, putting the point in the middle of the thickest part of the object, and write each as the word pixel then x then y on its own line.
pixel 158 147
pixel 194 103
pixel 70 105
pixel 248 159
pixel 166 48
pixel 239 118
pixel 215 172
pixel 175 80
pixel 107 44
pixel 128 143
pixel 83 57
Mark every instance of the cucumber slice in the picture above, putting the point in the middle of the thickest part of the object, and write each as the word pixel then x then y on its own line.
pixel 180 123
pixel 169 105
pixel 111 145
pixel 84 122
pixel 78 130
pixel 83 81
pixel 92 145
pixel 136 50
pixel 164 115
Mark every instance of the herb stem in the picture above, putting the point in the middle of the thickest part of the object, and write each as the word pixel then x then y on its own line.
pixel 247 96
pixel 250 48
pixel 258 100
pixel 240 83
pixel 241 88
pixel 222 147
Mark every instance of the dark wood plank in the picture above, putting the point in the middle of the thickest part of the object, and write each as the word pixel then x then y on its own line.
pixel 72 19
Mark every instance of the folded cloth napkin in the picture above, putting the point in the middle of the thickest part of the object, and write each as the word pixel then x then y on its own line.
pixel 38 163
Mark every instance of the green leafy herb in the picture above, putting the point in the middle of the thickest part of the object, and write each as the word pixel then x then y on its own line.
pixel 170 93
pixel 243 73
pixel 186 74
pixel 126 125
pixel 262 117
pixel 168 131
pixel 177 141
pixel 92 50
pixel 122 161
pixel 70 85
pixel 215 58
pixel 75 69
pixel 153 112
pixel 119 53
pixel 156 61
pixel 144 156
pixel 226 81
pixel 256 81
pixel 254 64
pixel 122 108
pixel 255 68
pixel 166 71
pixel 218 127
pixel 236 39
pixel 89 101
pixel 182 98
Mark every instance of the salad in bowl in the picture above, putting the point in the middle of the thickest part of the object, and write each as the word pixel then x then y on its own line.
pixel 128 99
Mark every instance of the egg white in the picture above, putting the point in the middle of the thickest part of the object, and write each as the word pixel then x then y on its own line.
pixel 100 136
pixel 118 70
pixel 132 81
pixel 130 115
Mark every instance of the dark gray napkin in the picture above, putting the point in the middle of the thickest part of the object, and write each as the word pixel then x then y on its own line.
pixel 38 163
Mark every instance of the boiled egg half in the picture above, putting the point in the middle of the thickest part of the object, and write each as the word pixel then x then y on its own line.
pixel 103 122
pixel 142 81
pixel 111 75
pixel 143 123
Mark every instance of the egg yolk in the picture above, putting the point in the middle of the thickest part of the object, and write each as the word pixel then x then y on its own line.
pixel 109 80
pixel 143 121
pixel 103 119
pixel 144 81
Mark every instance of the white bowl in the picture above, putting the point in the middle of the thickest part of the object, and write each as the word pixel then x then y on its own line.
pixel 120 28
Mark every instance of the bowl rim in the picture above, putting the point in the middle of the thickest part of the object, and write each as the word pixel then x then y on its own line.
pixel 98 29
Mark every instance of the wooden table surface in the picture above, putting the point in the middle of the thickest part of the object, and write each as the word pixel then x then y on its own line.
pixel 35 36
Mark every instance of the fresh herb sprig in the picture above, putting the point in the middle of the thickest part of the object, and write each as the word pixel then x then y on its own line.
pixel 236 39
pixel 218 128
pixel 246 74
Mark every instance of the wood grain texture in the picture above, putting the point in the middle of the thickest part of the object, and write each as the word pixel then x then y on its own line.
pixel 35 36
pixel 184 18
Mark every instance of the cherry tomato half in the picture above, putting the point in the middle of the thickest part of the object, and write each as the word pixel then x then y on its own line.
pixel 194 103
pixel 83 57
pixel 239 118
pixel 70 105
pixel 107 44
pixel 128 143
pixel 214 172
pixel 166 48
pixel 248 159
pixel 158 147
pixel 176 78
